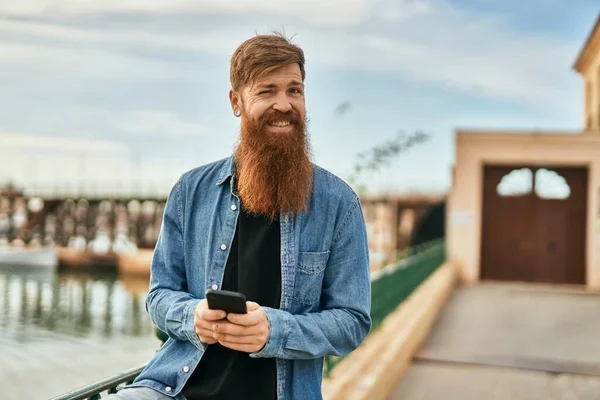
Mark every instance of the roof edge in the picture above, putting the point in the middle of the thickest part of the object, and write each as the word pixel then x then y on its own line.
pixel 584 53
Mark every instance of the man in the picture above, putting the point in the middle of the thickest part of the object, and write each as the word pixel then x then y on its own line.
pixel 268 223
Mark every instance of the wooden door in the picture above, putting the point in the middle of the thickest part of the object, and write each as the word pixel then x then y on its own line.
pixel 561 226
pixel 533 224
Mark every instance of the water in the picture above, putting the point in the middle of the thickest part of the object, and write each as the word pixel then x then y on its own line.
pixel 34 303
pixel 69 329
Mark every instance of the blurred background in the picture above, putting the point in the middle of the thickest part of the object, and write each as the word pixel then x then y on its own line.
pixel 104 104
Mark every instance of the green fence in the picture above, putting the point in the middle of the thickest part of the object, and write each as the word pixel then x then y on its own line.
pixel 393 284
pixel 390 286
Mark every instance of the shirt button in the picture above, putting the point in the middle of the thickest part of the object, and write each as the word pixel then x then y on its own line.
pixel 215 287
pixel 223 247
pixel 233 207
pixel 186 369
pixel 168 388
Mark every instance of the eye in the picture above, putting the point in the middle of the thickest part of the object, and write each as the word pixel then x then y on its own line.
pixel 264 92
pixel 295 91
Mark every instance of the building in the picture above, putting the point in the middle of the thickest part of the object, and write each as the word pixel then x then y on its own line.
pixel 525 206
pixel 391 221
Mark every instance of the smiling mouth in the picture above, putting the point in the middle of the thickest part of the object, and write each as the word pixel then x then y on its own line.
pixel 280 124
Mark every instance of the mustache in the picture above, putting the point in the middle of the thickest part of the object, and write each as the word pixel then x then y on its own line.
pixel 276 115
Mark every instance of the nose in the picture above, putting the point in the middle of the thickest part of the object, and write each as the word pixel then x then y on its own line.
pixel 282 103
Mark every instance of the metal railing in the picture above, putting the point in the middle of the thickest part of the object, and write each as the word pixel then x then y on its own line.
pixel 390 286
pixel 108 385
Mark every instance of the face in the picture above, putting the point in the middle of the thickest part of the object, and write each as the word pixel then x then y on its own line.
pixel 273 164
pixel 275 100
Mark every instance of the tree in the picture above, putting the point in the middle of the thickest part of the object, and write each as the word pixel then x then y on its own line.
pixel 381 155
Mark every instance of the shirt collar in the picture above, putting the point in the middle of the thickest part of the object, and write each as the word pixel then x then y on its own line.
pixel 227 171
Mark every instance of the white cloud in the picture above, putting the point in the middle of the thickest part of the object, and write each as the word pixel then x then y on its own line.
pixel 158 122
pixel 129 36
pixel 89 61
pixel 52 161
pixel 84 172
pixel 429 41
pixel 10 141
pixel 134 123
pixel 454 48
pixel 52 164
pixel 403 10
pixel 329 11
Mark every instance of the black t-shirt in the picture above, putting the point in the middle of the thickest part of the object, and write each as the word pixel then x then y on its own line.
pixel 254 269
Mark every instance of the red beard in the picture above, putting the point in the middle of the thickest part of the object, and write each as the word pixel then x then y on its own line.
pixel 274 170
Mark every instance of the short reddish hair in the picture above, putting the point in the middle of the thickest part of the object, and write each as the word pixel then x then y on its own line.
pixel 260 55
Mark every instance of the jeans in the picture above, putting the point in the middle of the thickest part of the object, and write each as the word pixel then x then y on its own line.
pixel 142 393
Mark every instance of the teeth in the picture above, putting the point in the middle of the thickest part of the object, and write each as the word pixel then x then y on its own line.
pixel 280 123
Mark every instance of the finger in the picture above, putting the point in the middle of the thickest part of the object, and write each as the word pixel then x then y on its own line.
pixel 236 339
pixel 230 328
pixel 212 315
pixel 202 309
pixel 206 336
pixel 201 324
pixel 207 340
pixel 204 332
pixel 251 306
pixel 247 348
pixel 249 319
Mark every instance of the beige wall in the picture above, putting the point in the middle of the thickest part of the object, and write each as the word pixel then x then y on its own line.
pixel 474 149
pixel 592 81
pixel 588 65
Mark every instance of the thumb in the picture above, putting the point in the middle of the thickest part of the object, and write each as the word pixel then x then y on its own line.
pixel 252 306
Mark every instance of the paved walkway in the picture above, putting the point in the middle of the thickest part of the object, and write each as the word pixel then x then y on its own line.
pixel 510 342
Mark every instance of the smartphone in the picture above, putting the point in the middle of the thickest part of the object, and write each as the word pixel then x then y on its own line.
pixel 230 302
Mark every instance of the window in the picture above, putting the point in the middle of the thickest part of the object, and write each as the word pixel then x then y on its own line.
pixel 546 185
pixel 550 185
pixel 518 182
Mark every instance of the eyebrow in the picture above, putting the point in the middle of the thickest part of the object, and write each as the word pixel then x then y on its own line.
pixel 273 85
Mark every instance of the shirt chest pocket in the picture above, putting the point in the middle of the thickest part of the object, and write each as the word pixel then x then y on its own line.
pixel 309 276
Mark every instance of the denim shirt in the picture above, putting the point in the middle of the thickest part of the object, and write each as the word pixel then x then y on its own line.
pixel 325 286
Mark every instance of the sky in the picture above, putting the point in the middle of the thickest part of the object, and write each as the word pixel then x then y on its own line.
pixel 100 95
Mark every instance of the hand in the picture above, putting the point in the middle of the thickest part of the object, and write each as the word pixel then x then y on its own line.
pixel 204 319
pixel 244 332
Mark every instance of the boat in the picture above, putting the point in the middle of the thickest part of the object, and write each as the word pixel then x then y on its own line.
pixel 43 257
pixel 74 258
pixel 136 263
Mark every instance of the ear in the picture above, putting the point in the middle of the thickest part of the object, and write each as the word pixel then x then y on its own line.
pixel 236 101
